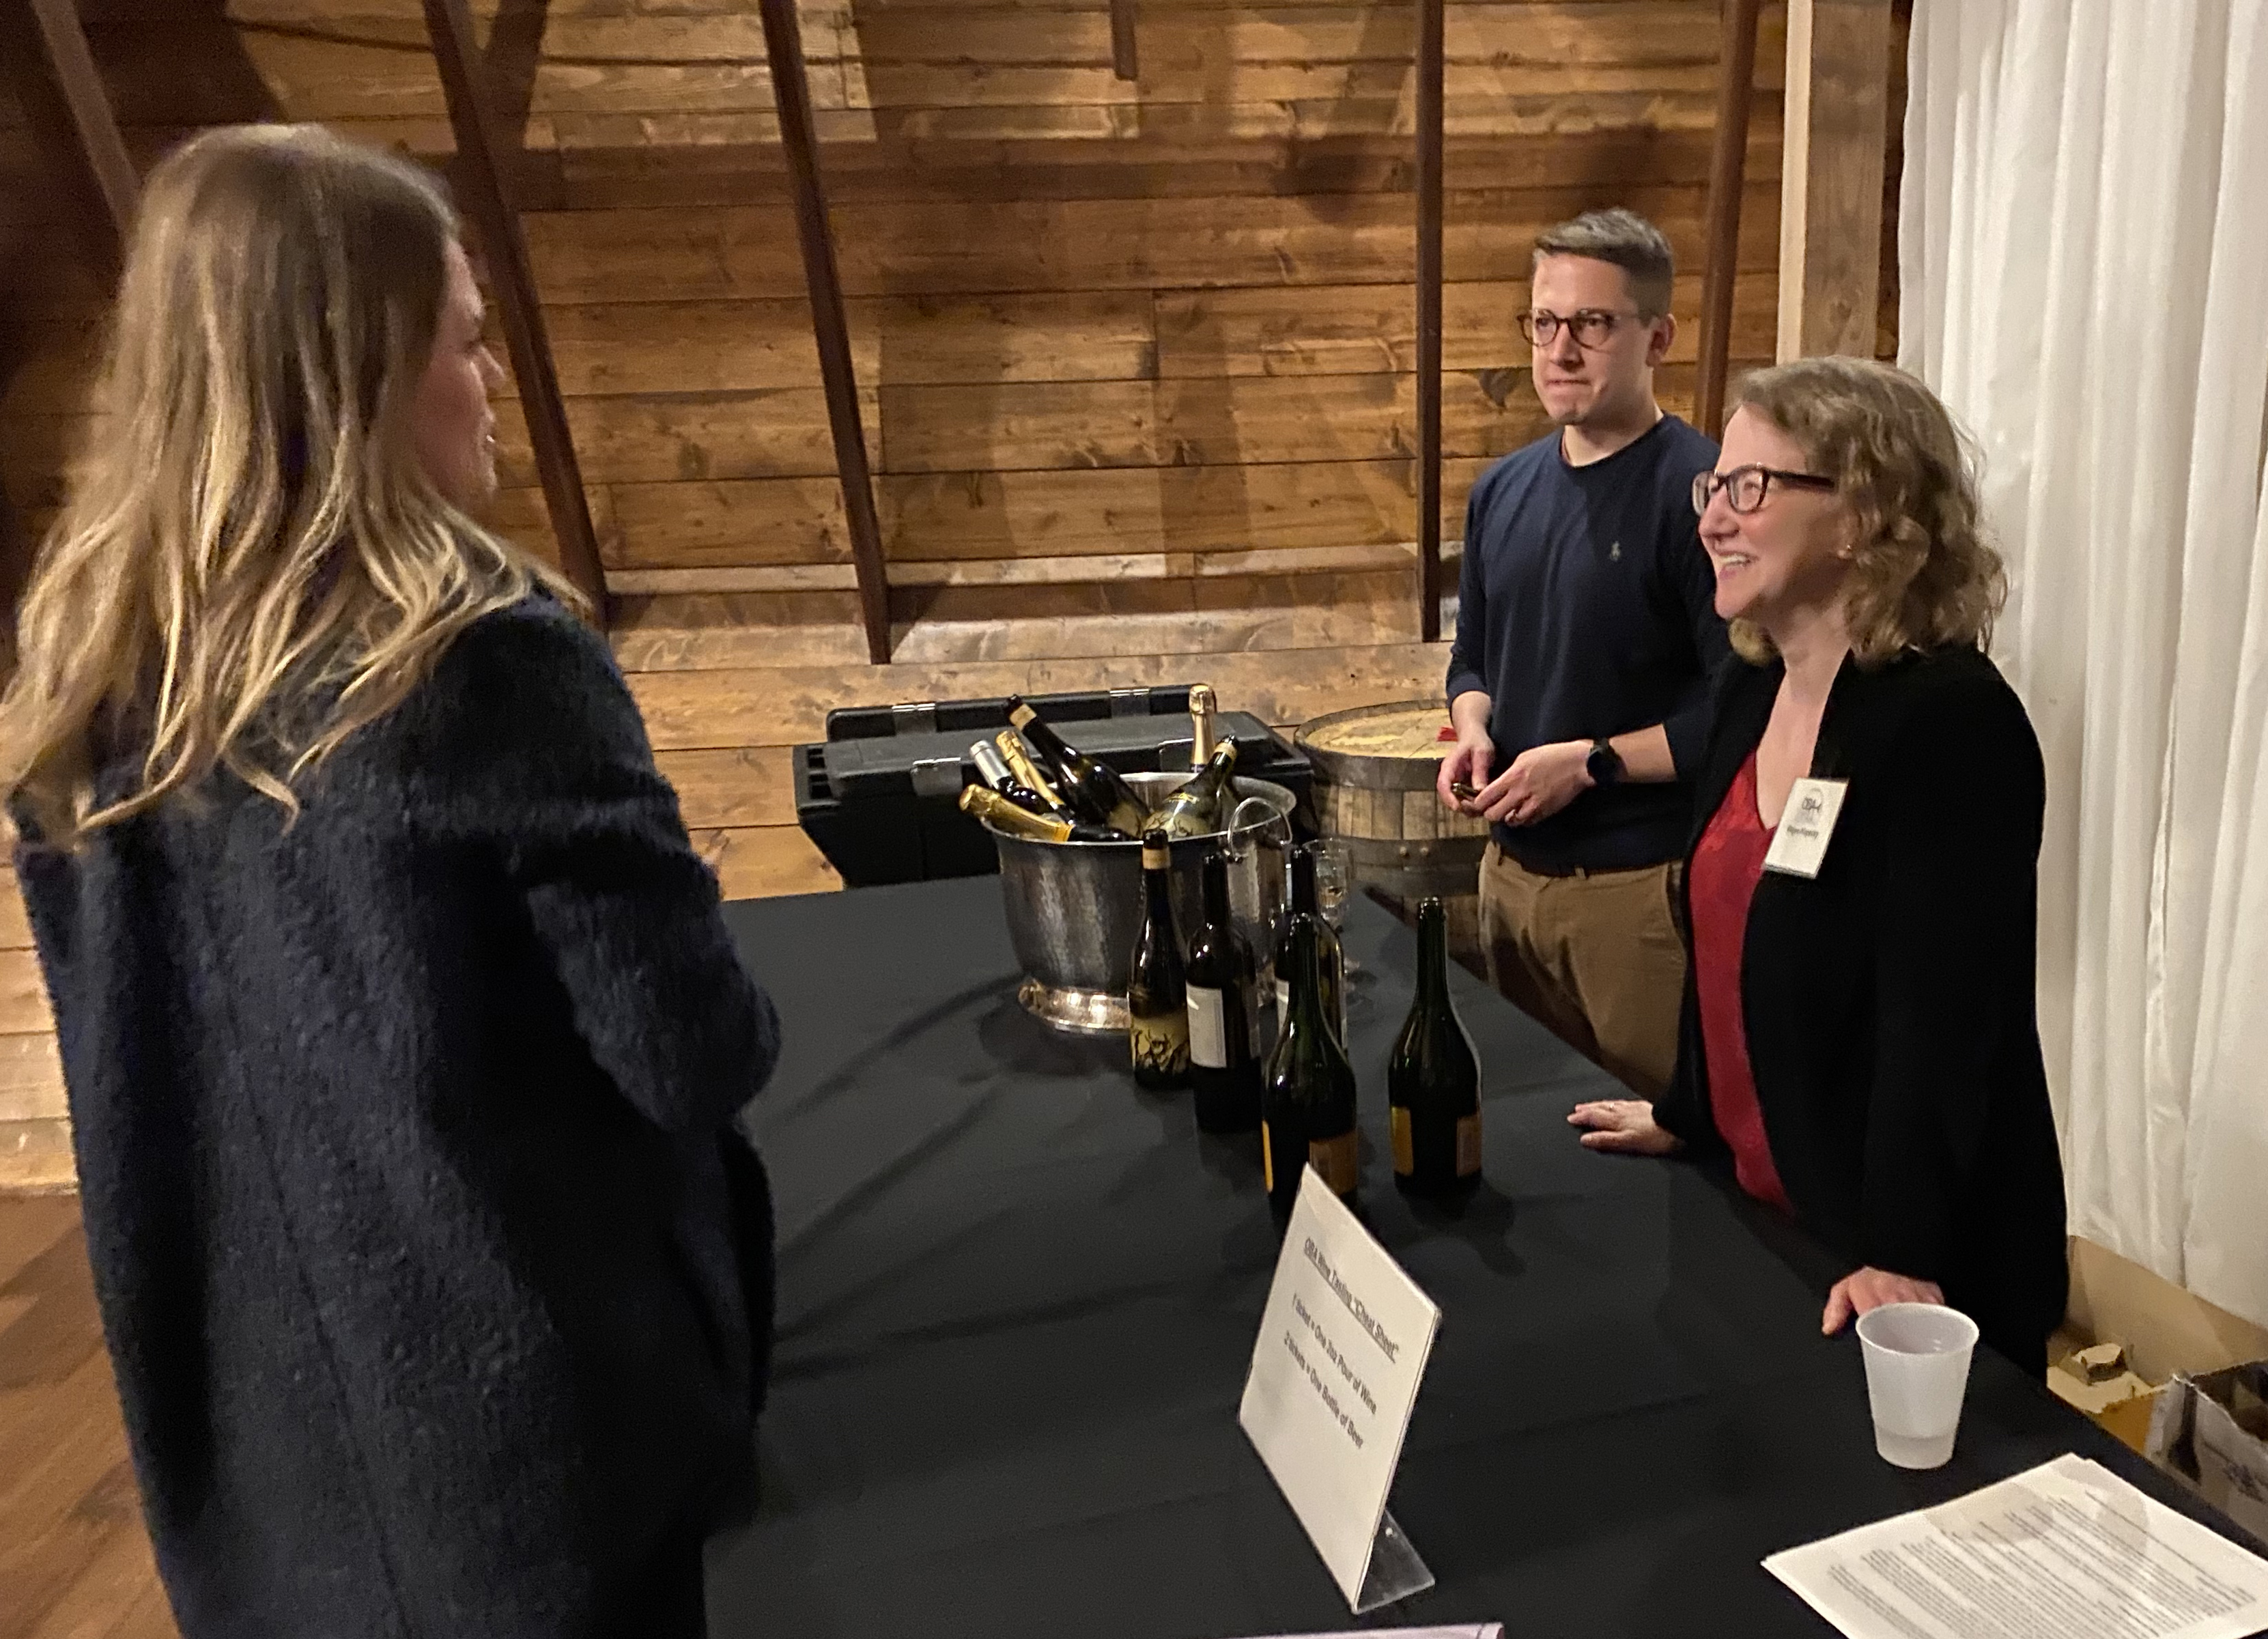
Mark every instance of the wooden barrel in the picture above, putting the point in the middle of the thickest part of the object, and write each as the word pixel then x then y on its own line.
pixel 1374 791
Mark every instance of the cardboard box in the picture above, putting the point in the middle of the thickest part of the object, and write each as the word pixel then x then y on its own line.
pixel 2213 1432
pixel 2128 1333
pixel 2163 1329
pixel 2094 1379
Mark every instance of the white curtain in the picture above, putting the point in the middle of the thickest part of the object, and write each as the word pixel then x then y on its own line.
pixel 2083 248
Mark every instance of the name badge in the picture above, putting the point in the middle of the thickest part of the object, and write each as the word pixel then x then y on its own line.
pixel 1800 846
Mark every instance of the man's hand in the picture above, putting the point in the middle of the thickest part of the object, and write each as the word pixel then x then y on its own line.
pixel 1868 1289
pixel 1468 764
pixel 1540 781
pixel 1624 1125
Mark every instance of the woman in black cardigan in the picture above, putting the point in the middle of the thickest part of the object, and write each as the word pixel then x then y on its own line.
pixel 403 1034
pixel 1859 1035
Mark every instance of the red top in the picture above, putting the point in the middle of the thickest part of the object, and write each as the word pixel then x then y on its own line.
pixel 1726 867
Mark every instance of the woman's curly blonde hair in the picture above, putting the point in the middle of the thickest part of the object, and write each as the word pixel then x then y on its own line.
pixel 1922 575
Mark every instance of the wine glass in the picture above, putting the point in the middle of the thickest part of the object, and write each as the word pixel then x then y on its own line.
pixel 1334 880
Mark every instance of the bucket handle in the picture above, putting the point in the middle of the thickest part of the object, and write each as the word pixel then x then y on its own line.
pixel 1234 851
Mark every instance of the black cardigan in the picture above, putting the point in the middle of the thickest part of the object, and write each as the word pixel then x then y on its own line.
pixel 1889 1003
pixel 403 1135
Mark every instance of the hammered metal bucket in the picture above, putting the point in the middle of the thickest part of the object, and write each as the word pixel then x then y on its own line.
pixel 1074 908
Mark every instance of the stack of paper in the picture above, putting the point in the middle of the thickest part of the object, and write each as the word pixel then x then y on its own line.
pixel 2067 1551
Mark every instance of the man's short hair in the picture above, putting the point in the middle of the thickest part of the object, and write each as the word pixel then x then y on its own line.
pixel 1626 239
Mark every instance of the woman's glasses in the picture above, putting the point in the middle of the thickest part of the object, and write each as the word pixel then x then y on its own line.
pixel 1746 487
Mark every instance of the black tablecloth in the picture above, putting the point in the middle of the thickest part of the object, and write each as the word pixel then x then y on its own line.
pixel 1019 1297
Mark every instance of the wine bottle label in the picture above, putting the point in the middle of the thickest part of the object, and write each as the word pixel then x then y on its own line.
pixel 1208 1028
pixel 1160 1042
pixel 1404 1162
pixel 1338 1160
pixel 1468 1144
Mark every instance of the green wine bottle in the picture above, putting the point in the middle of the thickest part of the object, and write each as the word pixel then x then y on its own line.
pixel 1204 724
pixel 1026 773
pixel 1199 805
pixel 1307 1104
pixel 992 769
pixel 1224 1056
pixel 984 803
pixel 1156 1003
pixel 1434 1079
pixel 1090 788
pixel 1304 903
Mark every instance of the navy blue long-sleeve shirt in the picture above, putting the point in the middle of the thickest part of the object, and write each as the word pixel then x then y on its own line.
pixel 1586 609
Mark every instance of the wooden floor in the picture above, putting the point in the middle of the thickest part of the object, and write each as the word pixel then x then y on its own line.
pixel 74 1559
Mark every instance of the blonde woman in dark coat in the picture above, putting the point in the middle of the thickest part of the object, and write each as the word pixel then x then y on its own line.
pixel 403 1034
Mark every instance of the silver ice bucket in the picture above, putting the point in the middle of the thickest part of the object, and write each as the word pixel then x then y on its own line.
pixel 1074 908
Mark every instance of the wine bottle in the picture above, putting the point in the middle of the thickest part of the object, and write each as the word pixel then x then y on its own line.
pixel 1019 759
pixel 993 770
pixel 1307 1106
pixel 1091 789
pixel 1196 809
pixel 1157 1001
pixel 1204 726
pixel 1304 903
pixel 1223 1053
pixel 988 804
pixel 1434 1079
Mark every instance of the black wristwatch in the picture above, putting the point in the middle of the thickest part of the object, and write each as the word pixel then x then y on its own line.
pixel 1604 764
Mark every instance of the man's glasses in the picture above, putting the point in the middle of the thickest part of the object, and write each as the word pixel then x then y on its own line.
pixel 1746 487
pixel 1592 326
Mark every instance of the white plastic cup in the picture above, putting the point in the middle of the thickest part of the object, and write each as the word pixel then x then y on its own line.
pixel 1917 1374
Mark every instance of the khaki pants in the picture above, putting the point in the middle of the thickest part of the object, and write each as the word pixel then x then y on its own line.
pixel 1595 958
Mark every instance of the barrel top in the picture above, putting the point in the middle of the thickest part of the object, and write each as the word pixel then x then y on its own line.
pixel 1410 728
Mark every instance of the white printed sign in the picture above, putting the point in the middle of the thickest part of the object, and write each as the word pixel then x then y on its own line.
pixel 1342 1347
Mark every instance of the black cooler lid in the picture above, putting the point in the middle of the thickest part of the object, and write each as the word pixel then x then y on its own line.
pixel 868 768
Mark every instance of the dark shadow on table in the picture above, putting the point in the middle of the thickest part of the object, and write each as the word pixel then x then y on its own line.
pixel 1483 1219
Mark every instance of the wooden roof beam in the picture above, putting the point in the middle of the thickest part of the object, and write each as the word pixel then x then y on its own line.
pixel 1736 80
pixel 480 176
pixel 1831 167
pixel 1430 135
pixel 791 92
pixel 1123 61
pixel 95 143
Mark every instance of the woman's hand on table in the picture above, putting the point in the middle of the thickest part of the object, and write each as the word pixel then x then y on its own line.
pixel 1863 1290
pixel 1625 1126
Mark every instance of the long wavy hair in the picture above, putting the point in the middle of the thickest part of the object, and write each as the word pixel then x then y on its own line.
pixel 1923 572
pixel 251 563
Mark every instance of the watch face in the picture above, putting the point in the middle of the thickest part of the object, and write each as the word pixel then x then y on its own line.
pixel 1605 767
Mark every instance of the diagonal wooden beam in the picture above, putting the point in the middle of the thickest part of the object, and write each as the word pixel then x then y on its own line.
pixel 17 551
pixel 1123 61
pixel 791 91
pixel 1737 78
pixel 94 128
pixel 480 148
pixel 1430 55
pixel 508 66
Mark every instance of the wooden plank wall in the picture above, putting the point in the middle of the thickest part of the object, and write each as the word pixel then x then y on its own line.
pixel 1135 359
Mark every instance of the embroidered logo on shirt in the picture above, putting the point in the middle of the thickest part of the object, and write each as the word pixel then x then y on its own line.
pixel 1615 553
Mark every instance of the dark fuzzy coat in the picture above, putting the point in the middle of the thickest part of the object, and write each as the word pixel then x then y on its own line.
pixel 401 1133
pixel 1890 1004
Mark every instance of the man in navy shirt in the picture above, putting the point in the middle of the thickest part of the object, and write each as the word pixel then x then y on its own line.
pixel 1585 640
